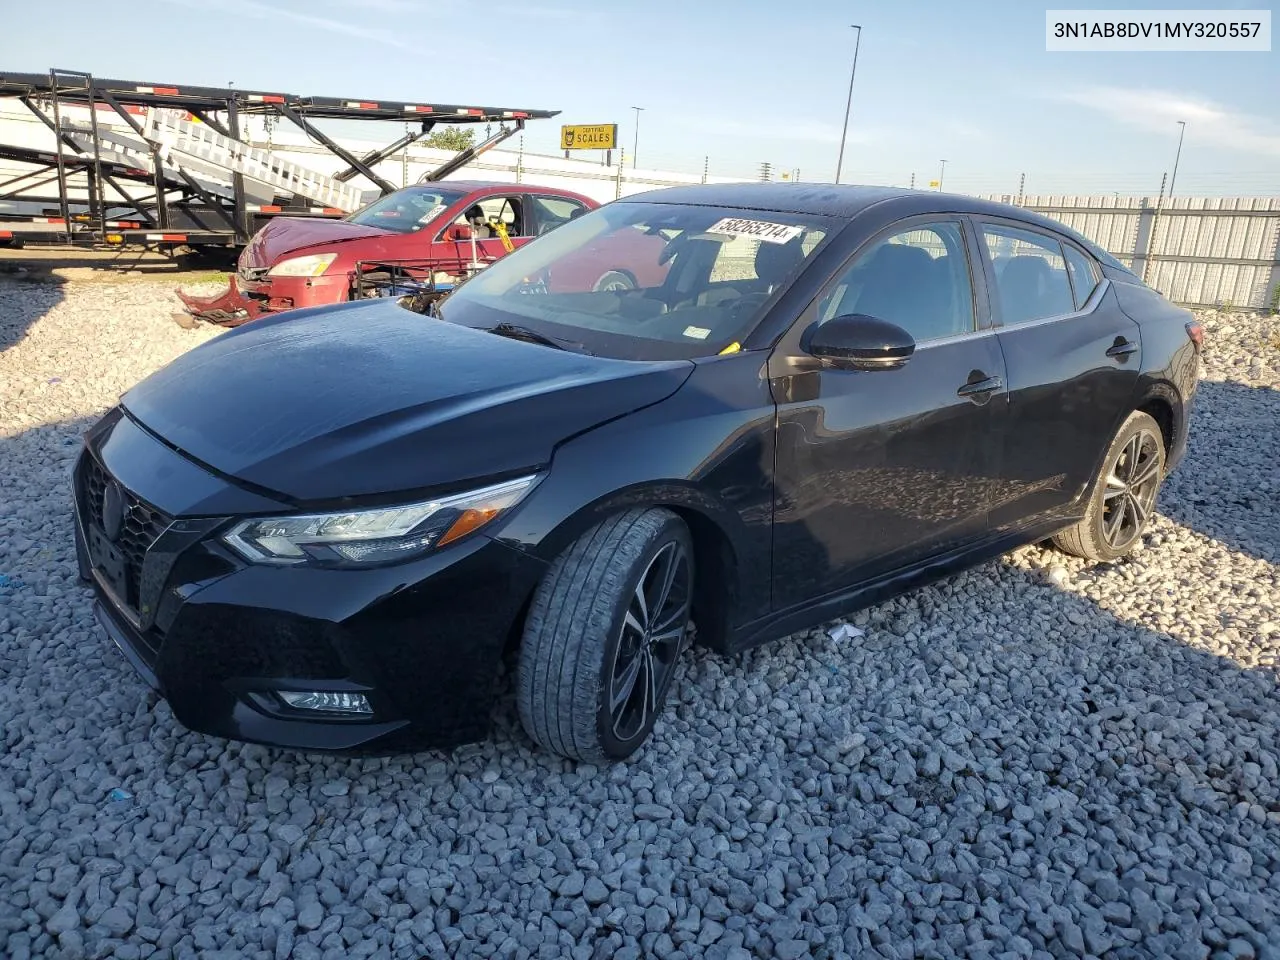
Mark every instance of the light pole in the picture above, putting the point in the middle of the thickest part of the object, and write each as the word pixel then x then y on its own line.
pixel 941 174
pixel 1178 156
pixel 635 151
pixel 844 133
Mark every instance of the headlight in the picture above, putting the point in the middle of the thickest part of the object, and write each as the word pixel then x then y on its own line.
pixel 381 535
pixel 311 266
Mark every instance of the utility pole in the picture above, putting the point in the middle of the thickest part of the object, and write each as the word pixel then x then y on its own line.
pixel 1178 156
pixel 1149 255
pixel 635 150
pixel 848 106
pixel 941 174
pixel 1022 185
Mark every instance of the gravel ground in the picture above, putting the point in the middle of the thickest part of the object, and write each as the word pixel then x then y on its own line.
pixel 1038 758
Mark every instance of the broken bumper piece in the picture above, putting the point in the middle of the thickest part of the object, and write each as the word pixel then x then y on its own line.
pixel 228 309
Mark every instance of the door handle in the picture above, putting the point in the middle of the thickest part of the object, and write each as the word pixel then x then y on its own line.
pixel 1122 349
pixel 979 391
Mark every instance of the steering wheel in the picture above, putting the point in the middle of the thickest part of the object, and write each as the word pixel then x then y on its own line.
pixel 745 305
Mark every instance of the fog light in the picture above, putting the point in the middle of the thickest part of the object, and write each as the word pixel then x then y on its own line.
pixel 326 701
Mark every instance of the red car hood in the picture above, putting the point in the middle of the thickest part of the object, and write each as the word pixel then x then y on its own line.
pixel 285 236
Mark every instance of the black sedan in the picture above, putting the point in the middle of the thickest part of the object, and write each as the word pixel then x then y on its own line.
pixel 324 530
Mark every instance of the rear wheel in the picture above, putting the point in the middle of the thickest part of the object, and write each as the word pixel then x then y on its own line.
pixel 1124 495
pixel 604 635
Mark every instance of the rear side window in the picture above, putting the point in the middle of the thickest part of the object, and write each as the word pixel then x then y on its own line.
pixel 555 212
pixel 1084 278
pixel 1031 274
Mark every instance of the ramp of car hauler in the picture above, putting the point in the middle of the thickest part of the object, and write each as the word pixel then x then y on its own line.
pixel 180 168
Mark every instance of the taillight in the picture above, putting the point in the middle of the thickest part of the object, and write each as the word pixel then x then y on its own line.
pixel 1195 330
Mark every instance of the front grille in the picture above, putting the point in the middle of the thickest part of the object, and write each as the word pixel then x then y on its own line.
pixel 254 274
pixel 143 524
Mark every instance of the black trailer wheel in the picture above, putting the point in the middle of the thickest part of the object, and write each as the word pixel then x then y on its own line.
pixel 604 636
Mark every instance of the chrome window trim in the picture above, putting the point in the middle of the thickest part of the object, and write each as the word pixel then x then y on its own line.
pixel 956 338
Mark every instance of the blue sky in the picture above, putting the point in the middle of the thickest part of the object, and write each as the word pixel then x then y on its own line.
pixel 741 82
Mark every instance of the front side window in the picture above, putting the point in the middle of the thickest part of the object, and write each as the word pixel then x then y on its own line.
pixel 645 280
pixel 1031 274
pixel 486 217
pixel 1084 279
pixel 917 278
pixel 405 211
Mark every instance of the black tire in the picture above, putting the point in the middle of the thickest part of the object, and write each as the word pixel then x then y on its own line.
pixel 580 636
pixel 616 281
pixel 1119 508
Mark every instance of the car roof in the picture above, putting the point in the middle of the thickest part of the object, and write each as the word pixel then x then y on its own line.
pixel 811 198
pixel 473 185
pixel 843 201
pixel 847 201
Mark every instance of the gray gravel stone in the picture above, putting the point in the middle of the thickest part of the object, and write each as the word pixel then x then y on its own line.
pixel 572 885
pixel 1033 759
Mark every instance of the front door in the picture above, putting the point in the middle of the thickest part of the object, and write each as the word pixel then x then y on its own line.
pixel 876 470
pixel 497 225
pixel 1072 358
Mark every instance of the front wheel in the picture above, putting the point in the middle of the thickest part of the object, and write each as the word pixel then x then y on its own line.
pixel 1124 495
pixel 614 281
pixel 604 635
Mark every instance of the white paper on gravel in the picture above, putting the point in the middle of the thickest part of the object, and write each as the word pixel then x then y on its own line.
pixel 842 632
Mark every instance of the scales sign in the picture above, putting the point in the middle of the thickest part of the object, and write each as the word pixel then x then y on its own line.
pixel 589 136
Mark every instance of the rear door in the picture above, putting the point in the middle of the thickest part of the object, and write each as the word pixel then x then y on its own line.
pixel 1072 359
pixel 549 212
pixel 876 470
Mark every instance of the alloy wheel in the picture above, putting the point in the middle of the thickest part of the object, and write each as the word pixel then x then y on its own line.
pixel 652 638
pixel 1129 495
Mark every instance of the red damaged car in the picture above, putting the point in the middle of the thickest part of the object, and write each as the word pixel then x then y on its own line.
pixel 444 228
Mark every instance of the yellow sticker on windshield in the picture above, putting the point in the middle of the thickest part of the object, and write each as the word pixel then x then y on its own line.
pixel 698 333
pixel 731 348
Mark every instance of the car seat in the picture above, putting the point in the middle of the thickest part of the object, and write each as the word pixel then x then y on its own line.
pixel 480 228
pixel 1022 287
pixel 903 286
pixel 775 262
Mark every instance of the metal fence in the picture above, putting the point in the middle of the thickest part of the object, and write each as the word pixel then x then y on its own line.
pixel 1197 251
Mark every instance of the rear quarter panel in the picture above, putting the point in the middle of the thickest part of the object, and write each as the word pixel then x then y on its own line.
pixel 1170 363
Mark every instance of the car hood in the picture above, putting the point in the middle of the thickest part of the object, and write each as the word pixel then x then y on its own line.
pixel 369 399
pixel 284 236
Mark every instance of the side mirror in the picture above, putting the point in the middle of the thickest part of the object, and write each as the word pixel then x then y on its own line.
pixel 858 342
pixel 459 231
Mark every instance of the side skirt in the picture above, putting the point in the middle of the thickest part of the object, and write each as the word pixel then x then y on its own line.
pixel 786 622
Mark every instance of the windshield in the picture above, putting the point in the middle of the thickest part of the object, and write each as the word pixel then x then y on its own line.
pixel 405 211
pixel 645 280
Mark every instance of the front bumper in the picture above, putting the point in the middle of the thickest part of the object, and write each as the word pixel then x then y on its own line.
pixel 246 300
pixel 220 637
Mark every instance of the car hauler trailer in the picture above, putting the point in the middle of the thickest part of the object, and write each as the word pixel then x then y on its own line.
pixel 173 168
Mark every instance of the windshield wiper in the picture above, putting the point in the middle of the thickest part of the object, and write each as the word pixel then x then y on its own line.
pixel 516 332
